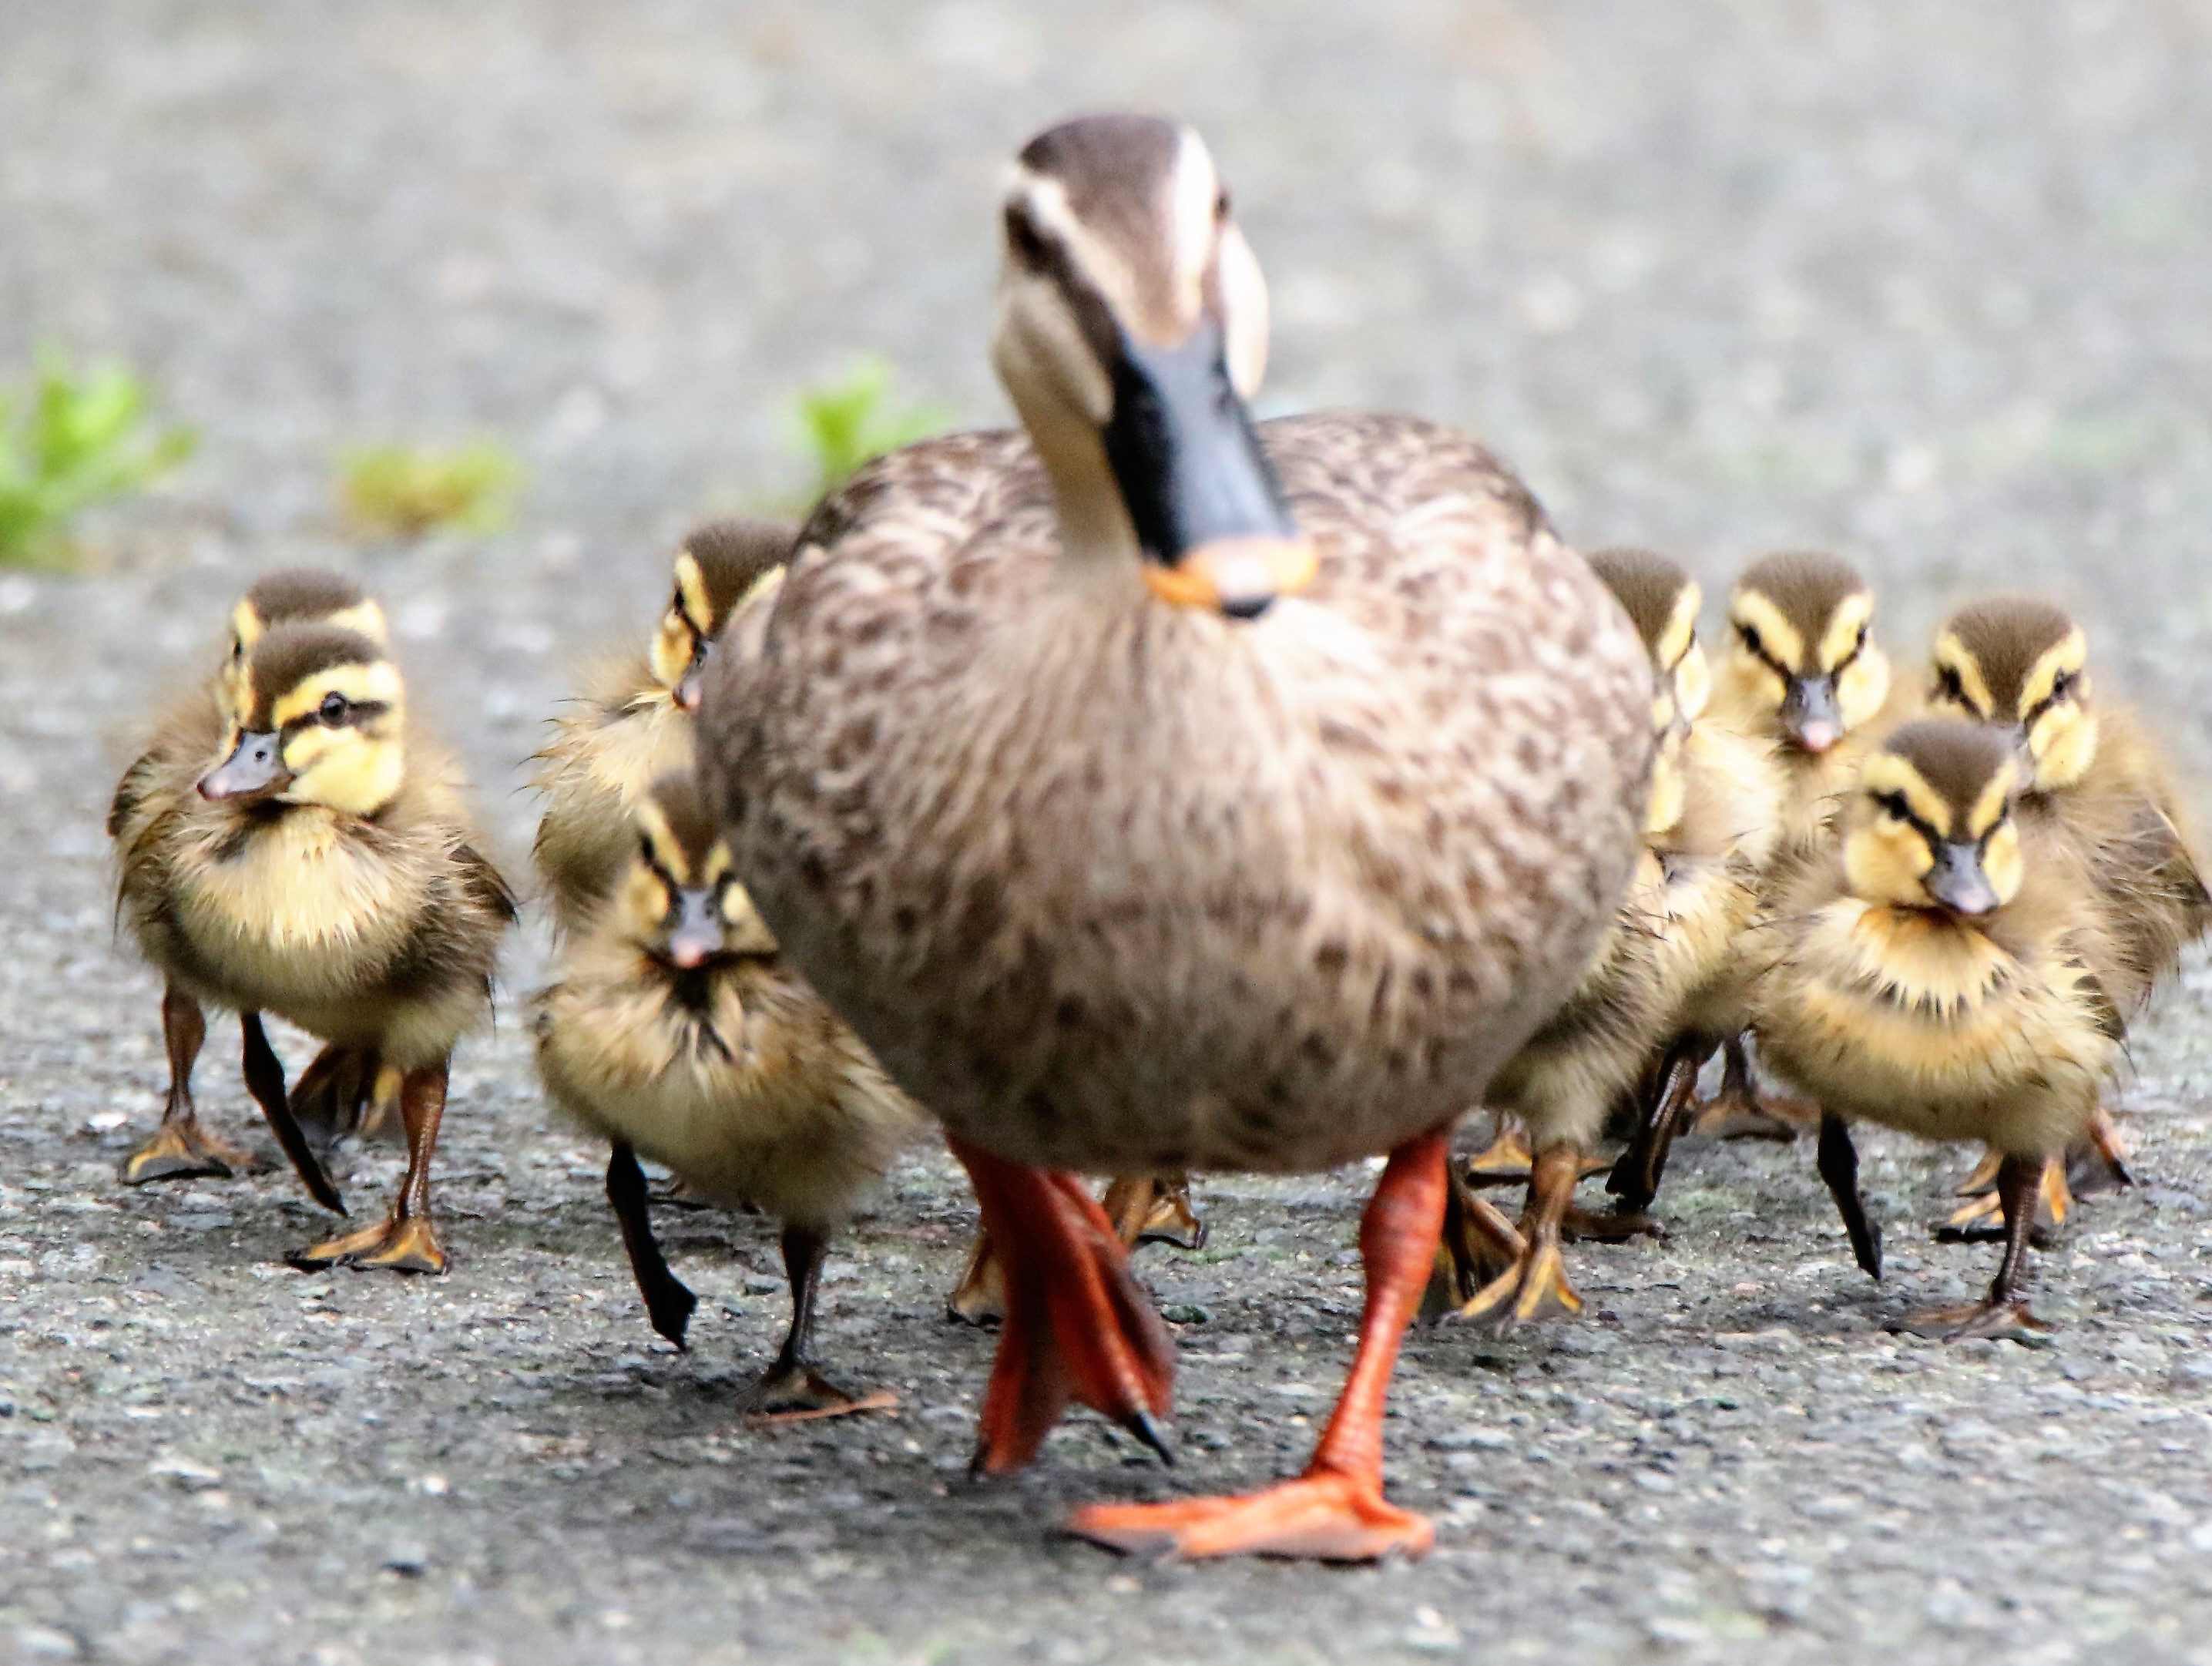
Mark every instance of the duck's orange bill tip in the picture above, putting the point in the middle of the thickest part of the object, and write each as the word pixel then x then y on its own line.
pixel 1237 576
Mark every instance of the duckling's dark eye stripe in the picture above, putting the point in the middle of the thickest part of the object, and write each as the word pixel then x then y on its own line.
pixel 1952 686
pixel 1755 645
pixel 2061 687
pixel 1898 805
pixel 1851 659
pixel 356 712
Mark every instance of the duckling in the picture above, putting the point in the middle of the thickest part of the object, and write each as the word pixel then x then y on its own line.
pixel 677 1029
pixel 1938 975
pixel 1804 672
pixel 325 870
pixel 162 778
pixel 636 722
pixel 2098 789
pixel 1692 894
pixel 1158 789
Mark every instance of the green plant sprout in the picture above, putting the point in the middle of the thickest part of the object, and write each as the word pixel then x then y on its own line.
pixel 406 491
pixel 69 440
pixel 846 423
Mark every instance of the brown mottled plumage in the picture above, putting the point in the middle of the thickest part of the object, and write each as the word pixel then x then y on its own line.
pixel 325 871
pixel 631 726
pixel 729 1070
pixel 1115 887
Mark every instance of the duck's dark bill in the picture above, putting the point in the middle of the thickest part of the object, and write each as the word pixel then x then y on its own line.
pixel 1199 488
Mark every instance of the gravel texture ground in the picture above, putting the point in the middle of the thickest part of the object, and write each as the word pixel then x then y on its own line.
pixel 1924 280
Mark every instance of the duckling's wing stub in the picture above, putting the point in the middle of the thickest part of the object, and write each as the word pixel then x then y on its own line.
pixel 485 883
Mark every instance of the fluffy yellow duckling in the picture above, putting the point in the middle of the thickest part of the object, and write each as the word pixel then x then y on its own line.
pixel 2101 790
pixel 677 1029
pixel 325 870
pixel 164 778
pixel 1804 672
pixel 635 724
pixel 1938 976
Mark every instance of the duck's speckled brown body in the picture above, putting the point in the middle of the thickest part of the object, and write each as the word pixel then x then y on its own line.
pixel 1111 885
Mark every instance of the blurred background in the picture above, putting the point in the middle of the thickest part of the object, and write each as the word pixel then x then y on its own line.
pixel 486 301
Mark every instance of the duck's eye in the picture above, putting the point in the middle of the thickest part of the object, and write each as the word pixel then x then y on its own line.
pixel 1023 238
pixel 1892 805
pixel 237 648
pixel 2063 684
pixel 1752 640
pixel 334 710
pixel 1221 208
pixel 1951 685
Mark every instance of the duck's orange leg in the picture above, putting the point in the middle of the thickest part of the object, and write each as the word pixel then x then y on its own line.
pixel 1335 1511
pixel 1077 1327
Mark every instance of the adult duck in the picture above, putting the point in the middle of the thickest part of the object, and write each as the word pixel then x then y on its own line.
pixel 1153 789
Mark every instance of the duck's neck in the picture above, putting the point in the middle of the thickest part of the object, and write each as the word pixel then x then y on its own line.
pixel 1097 540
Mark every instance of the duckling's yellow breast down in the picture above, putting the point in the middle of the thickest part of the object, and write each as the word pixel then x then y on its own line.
pixel 1904 1018
pixel 304 909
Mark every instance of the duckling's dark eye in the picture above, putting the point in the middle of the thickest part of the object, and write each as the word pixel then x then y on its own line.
pixel 1221 208
pixel 1752 639
pixel 2063 684
pixel 1893 804
pixel 334 710
pixel 1022 237
pixel 1951 685
pixel 237 648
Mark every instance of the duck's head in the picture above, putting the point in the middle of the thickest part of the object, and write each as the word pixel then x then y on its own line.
pixel 1932 824
pixel 680 901
pixel 320 715
pixel 717 566
pixel 2022 665
pixel 294 595
pixel 1131 329
pixel 1804 649
pixel 1662 600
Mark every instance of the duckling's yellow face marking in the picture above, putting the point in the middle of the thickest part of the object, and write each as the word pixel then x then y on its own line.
pixel 1910 846
pixel 1679 661
pixel 2056 714
pixel 681 641
pixel 247 627
pixel 339 734
pixel 683 910
pixel 1820 682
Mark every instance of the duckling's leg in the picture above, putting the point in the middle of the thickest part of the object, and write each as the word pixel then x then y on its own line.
pixel 2098 1162
pixel 1078 1326
pixel 406 1241
pixel 2003 1314
pixel 668 1302
pixel 1741 1112
pixel 181 1146
pixel 264 1080
pixel 1335 1511
pixel 1505 1161
pixel 1143 1209
pixel 1479 1242
pixel 1980 1219
pixel 326 1101
pixel 1666 1103
pixel 1839 1167
pixel 791 1389
pixel 1536 1286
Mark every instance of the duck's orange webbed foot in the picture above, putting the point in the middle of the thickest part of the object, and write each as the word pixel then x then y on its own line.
pixel 404 1244
pixel 1078 1327
pixel 1322 1517
pixel 1335 1511
pixel 182 1148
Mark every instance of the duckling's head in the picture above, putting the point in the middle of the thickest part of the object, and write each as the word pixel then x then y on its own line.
pixel 1804 650
pixel 681 902
pixel 1132 328
pixel 320 715
pixel 294 595
pixel 1932 826
pixel 717 566
pixel 1662 600
pixel 2022 665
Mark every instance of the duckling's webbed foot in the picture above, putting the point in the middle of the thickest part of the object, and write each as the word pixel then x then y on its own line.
pixel 1505 1161
pixel 264 1080
pixel 1478 1244
pixel 2098 1162
pixel 668 1301
pixel 1536 1286
pixel 181 1147
pixel 980 1297
pixel 791 1389
pixel 332 1094
pixel 1741 1112
pixel 1154 1209
pixel 1980 1219
pixel 1664 1101
pixel 1335 1511
pixel 1840 1168
pixel 406 1241
pixel 1078 1326
pixel 2003 1314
